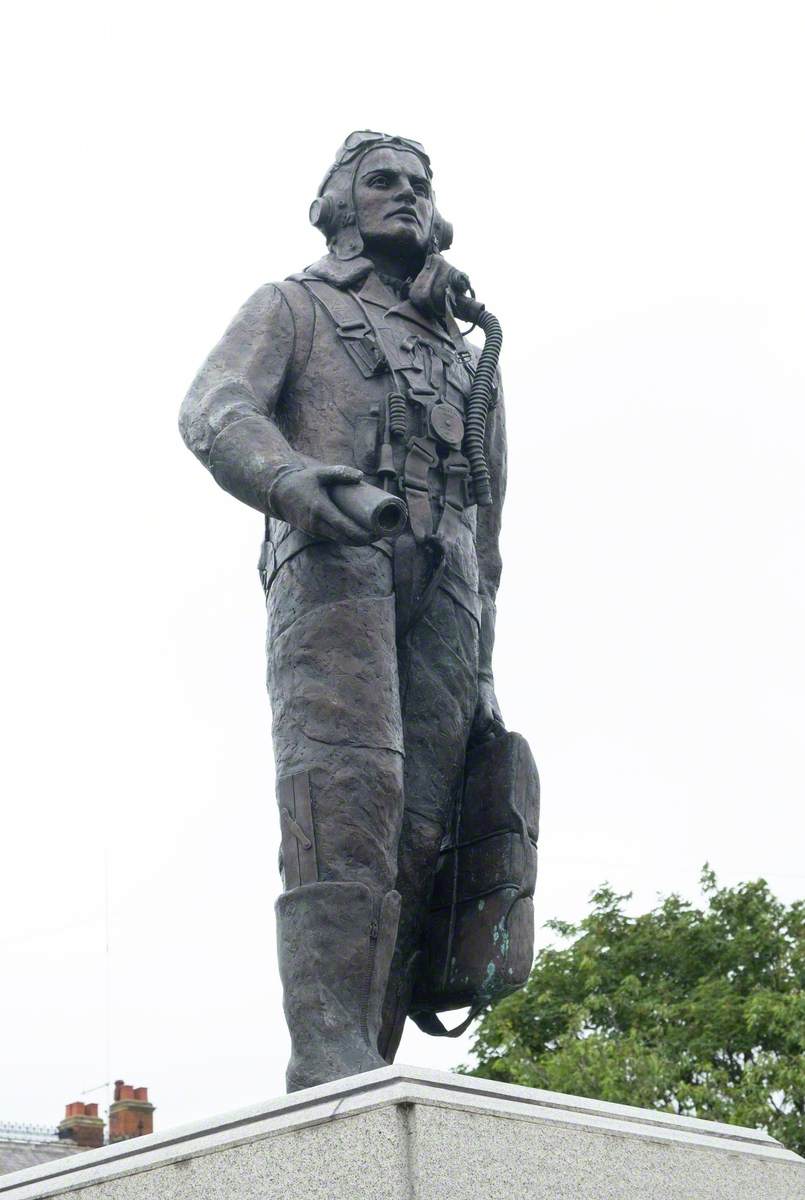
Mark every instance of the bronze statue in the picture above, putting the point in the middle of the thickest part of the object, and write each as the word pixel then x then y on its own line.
pixel 345 405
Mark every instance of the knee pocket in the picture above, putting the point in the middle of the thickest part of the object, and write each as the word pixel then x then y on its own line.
pixel 340 819
pixel 298 860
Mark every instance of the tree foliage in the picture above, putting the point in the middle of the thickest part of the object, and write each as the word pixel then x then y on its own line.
pixel 691 1010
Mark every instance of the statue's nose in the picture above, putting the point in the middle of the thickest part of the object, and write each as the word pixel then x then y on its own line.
pixel 406 193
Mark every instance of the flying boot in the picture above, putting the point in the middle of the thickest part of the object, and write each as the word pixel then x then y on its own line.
pixel 335 943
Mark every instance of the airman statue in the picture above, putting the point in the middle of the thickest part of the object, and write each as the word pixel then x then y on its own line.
pixel 339 404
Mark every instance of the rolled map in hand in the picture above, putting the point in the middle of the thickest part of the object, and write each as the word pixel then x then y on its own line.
pixel 371 507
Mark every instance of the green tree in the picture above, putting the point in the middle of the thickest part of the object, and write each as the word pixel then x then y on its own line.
pixel 691 1010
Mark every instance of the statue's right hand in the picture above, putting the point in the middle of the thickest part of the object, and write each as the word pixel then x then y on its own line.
pixel 301 498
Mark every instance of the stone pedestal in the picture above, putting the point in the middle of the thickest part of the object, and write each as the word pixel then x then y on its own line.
pixel 406 1134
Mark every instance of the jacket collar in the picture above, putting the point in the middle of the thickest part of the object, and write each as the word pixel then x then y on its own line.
pixel 374 291
pixel 342 273
pixel 349 273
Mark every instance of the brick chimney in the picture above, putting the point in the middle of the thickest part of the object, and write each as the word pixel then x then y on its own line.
pixel 130 1115
pixel 82 1125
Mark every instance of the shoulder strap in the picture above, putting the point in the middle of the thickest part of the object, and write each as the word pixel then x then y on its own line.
pixel 356 335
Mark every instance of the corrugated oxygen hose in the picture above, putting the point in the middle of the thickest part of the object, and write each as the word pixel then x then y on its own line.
pixel 468 309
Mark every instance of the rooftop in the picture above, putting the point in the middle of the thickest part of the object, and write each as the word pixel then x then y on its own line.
pixel 26 1145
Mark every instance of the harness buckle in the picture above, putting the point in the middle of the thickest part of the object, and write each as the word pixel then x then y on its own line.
pixel 359 343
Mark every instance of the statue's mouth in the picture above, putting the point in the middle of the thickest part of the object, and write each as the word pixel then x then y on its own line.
pixel 404 212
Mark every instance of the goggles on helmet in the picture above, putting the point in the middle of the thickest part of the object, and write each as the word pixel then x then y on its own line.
pixel 362 140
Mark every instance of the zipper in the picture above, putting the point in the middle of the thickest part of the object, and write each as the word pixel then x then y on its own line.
pixel 374 933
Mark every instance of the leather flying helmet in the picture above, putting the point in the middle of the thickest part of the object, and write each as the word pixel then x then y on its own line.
pixel 333 210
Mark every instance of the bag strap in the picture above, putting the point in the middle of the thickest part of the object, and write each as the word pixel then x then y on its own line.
pixel 430 1022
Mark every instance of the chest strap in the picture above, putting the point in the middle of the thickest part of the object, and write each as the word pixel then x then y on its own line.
pixel 357 337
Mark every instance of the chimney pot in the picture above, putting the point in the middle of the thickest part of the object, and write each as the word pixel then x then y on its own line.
pixel 131 1114
pixel 82 1125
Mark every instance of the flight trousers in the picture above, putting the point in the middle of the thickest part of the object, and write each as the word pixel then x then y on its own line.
pixel 371 719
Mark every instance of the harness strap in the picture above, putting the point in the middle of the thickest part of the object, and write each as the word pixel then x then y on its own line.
pixel 357 336
pixel 456 469
pixel 420 458
pixel 461 592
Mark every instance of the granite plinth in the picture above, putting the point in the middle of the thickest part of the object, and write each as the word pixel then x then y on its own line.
pixel 406 1134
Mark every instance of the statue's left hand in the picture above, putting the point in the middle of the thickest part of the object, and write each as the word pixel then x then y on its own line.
pixel 488 721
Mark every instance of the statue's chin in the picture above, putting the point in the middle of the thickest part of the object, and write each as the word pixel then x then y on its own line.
pixel 404 245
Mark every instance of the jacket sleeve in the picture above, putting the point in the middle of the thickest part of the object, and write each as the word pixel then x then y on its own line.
pixel 227 417
pixel 488 535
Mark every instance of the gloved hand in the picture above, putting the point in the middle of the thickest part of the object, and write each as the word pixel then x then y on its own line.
pixel 487 722
pixel 300 496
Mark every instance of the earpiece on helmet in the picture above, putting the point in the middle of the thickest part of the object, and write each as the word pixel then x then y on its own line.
pixel 322 213
pixel 442 232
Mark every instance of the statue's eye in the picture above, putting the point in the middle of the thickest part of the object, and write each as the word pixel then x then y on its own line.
pixel 421 189
pixel 378 181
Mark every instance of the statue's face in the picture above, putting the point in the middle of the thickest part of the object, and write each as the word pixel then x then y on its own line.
pixel 393 200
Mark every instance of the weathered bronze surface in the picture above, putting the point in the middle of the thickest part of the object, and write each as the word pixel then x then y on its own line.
pixel 345 405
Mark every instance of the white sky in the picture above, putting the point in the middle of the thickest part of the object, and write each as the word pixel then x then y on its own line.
pixel 627 185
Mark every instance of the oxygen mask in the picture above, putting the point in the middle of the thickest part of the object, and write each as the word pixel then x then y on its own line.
pixel 440 290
